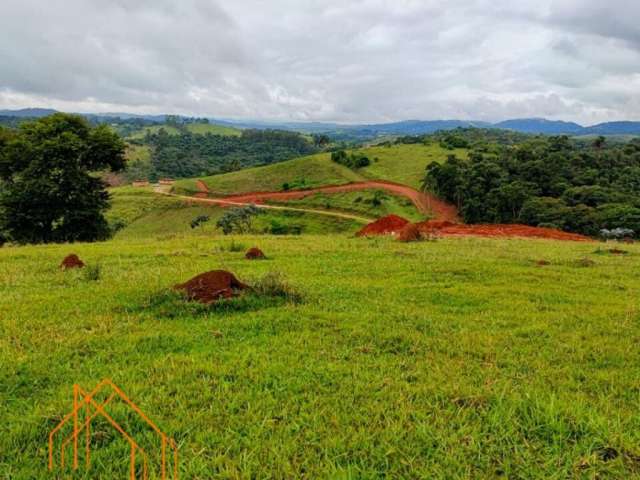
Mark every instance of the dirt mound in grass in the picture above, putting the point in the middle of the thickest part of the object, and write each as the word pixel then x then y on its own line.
pixel 71 261
pixel 211 286
pixel 255 254
pixel 410 233
pixel 497 230
pixel 388 225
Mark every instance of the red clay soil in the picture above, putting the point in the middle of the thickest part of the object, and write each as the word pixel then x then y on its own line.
pixel 410 233
pixel 448 229
pixel 211 286
pixel 71 261
pixel 389 225
pixel 203 189
pixel 254 254
pixel 426 203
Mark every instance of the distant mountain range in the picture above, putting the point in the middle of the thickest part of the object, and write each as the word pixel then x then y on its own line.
pixel 407 127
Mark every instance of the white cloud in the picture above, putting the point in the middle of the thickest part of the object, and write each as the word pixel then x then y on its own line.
pixel 332 60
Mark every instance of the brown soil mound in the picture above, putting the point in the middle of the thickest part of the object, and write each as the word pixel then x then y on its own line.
pixel 388 225
pixel 71 261
pixel 254 254
pixel 211 286
pixel 498 230
pixel 410 233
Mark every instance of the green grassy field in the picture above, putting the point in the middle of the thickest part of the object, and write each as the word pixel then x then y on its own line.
pixel 459 358
pixel 399 163
pixel 372 203
pixel 404 163
pixel 305 172
pixel 196 128
pixel 143 214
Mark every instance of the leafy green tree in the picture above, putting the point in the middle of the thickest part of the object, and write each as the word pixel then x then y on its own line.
pixel 237 219
pixel 50 188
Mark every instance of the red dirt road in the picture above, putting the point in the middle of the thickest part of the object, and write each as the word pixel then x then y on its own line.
pixel 426 203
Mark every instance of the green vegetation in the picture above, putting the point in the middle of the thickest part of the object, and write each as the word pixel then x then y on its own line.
pixel 352 160
pixel 48 191
pixel 404 163
pixel 210 128
pixel 189 155
pixel 452 359
pixel 398 163
pixel 370 203
pixel 153 130
pixel 545 181
pixel 141 213
pixel 305 172
pixel 194 128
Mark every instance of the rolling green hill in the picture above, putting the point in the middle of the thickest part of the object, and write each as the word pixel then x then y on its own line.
pixel 304 172
pixel 404 163
pixel 141 213
pixel 372 203
pixel 399 163
pixel 196 128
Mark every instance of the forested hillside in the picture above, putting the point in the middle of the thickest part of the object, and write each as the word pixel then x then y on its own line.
pixel 189 155
pixel 543 181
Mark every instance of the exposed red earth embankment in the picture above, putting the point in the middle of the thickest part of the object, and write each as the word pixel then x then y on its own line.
pixel 426 203
pixel 389 225
pixel 394 225
pixel 448 229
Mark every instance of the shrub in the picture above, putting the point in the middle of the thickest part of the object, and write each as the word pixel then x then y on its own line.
pixel 232 246
pixel 237 219
pixel 277 228
pixel 199 221
pixel 92 273
pixel 351 160
pixel 275 284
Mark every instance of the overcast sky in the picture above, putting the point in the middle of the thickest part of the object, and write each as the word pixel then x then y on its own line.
pixel 342 60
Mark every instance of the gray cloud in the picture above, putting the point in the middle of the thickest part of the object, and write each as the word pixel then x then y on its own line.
pixel 338 60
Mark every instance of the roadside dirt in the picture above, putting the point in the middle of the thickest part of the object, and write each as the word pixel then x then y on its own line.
pixel 230 203
pixel 448 229
pixel 426 203
pixel 203 190
pixel 389 225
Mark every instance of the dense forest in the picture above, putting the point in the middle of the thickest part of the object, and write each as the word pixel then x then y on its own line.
pixel 542 181
pixel 189 155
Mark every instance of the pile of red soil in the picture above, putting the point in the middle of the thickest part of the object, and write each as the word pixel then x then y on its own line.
pixel 71 261
pixel 497 230
pixel 410 233
pixel 389 225
pixel 211 286
pixel 254 254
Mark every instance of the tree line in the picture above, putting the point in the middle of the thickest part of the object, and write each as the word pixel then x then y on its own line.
pixel 544 181
pixel 189 155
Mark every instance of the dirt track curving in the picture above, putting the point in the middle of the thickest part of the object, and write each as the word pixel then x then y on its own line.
pixel 426 203
pixel 229 203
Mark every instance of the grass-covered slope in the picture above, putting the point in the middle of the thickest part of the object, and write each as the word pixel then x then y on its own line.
pixel 404 163
pixel 452 359
pixel 304 172
pixel 398 163
pixel 196 128
pixel 371 203
pixel 141 213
